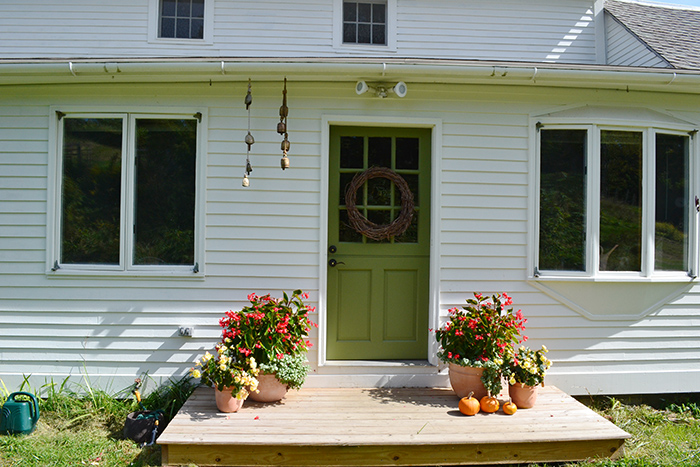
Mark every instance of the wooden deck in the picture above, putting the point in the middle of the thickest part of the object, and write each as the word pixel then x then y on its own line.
pixel 381 426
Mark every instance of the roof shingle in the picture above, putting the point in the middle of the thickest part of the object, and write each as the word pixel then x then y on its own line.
pixel 673 32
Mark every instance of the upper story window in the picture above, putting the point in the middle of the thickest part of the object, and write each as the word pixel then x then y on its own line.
pixel 365 22
pixel 615 202
pixel 364 27
pixel 127 193
pixel 181 19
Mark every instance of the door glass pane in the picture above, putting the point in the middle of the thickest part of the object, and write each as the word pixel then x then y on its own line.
pixel 379 152
pixel 91 190
pixel 411 234
pixel 620 201
pixel 562 200
pixel 671 228
pixel 407 153
pixel 345 232
pixel 165 191
pixel 379 192
pixel 352 152
pixel 412 182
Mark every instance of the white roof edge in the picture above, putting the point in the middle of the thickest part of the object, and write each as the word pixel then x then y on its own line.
pixel 418 71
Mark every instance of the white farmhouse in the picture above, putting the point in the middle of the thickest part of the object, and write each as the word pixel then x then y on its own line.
pixel 551 147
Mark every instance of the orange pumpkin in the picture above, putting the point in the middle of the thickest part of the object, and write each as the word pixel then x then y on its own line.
pixel 468 405
pixel 489 404
pixel 509 408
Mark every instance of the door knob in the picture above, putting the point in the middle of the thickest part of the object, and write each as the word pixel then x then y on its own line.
pixel 333 263
pixel 332 249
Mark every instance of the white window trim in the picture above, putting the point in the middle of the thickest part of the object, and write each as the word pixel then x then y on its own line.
pixel 391 18
pixel 649 130
pixel 154 25
pixel 53 218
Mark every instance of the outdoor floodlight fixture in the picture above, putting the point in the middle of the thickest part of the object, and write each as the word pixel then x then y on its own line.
pixel 381 89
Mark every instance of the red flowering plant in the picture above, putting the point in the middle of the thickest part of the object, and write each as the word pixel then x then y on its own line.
pixel 482 334
pixel 274 332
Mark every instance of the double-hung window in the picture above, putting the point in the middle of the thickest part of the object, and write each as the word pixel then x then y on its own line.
pixel 127 193
pixel 615 202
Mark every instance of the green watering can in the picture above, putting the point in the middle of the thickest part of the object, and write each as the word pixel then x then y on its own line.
pixel 19 416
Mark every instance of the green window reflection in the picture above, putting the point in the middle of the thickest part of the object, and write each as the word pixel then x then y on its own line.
pixel 620 201
pixel 91 190
pixel 562 200
pixel 671 226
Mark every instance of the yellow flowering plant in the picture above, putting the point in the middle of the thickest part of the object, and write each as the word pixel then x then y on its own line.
pixel 225 371
pixel 527 366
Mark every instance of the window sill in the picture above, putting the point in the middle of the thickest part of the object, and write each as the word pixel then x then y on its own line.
pixel 137 275
pixel 622 278
pixel 176 41
pixel 363 49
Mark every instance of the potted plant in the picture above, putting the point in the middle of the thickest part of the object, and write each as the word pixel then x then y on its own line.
pixel 273 331
pixel 475 341
pixel 233 377
pixel 525 369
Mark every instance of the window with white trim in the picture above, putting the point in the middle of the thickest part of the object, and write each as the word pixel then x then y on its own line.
pixel 181 19
pixel 127 192
pixel 365 22
pixel 614 201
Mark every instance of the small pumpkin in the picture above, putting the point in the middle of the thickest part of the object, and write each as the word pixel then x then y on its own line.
pixel 509 408
pixel 489 404
pixel 468 405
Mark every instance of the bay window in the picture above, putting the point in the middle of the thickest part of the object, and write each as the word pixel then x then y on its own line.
pixel 126 196
pixel 614 202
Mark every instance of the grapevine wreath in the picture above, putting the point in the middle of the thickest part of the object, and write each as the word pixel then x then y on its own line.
pixel 368 228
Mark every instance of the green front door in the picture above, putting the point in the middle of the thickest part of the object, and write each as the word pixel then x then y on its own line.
pixel 378 289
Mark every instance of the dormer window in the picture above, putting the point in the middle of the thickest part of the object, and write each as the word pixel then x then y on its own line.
pixel 181 19
pixel 365 22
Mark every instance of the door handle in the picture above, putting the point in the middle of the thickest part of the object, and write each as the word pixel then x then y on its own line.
pixel 333 263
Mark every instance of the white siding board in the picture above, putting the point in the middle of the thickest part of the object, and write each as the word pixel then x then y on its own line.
pixel 518 30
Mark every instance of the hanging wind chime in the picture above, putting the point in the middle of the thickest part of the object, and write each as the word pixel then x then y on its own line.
pixel 249 140
pixel 282 127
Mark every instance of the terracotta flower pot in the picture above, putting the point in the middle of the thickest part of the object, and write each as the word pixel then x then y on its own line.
pixel 523 396
pixel 227 402
pixel 270 389
pixel 466 379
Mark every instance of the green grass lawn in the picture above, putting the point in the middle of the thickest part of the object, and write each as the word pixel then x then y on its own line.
pixel 86 430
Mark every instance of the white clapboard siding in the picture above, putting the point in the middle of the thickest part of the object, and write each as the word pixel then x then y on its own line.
pixel 521 30
pixel 267 238
pixel 626 49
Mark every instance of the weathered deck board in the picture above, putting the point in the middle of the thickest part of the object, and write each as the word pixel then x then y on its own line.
pixel 380 426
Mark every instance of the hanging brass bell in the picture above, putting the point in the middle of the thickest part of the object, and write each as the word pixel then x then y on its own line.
pixel 248 167
pixel 246 182
pixel 281 128
pixel 285 145
pixel 285 162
